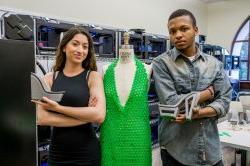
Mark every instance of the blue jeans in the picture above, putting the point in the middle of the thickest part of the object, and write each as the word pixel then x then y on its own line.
pixel 168 160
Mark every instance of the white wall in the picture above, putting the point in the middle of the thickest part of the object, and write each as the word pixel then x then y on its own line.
pixel 151 15
pixel 224 19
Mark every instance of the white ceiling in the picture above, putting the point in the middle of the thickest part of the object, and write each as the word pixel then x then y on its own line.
pixel 211 1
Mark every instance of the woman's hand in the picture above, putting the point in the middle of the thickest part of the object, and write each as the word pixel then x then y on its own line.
pixel 47 104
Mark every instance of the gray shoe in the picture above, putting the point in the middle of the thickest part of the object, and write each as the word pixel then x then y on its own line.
pixel 39 89
pixel 185 105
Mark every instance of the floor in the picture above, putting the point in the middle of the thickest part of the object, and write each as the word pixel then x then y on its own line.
pixel 228 157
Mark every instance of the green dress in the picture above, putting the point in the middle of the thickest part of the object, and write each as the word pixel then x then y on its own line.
pixel 125 134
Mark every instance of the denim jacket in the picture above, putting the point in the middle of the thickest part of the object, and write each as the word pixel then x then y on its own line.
pixel 195 142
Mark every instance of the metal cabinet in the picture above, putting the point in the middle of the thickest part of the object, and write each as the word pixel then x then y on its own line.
pixel 17 113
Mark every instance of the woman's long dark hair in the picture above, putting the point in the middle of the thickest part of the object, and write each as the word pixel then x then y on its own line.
pixel 88 64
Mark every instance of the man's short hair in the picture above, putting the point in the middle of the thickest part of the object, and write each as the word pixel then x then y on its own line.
pixel 182 12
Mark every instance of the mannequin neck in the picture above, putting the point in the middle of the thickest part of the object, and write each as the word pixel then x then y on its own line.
pixel 126 54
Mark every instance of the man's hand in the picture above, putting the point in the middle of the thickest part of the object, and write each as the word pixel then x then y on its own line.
pixel 181 118
pixel 196 113
pixel 211 91
pixel 207 94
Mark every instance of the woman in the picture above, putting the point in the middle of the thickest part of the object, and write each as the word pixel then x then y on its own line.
pixel 73 140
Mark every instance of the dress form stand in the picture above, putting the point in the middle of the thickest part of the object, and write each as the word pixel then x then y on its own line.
pixel 125 134
pixel 125 70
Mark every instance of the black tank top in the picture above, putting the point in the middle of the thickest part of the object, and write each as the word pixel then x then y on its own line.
pixel 73 146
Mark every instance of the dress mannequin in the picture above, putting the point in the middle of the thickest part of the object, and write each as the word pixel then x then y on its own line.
pixel 125 70
pixel 125 134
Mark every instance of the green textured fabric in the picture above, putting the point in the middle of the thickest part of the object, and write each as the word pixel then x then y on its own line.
pixel 125 134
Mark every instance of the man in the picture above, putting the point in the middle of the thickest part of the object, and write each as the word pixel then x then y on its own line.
pixel 182 70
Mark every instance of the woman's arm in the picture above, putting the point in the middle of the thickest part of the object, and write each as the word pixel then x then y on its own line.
pixel 94 113
pixel 48 118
